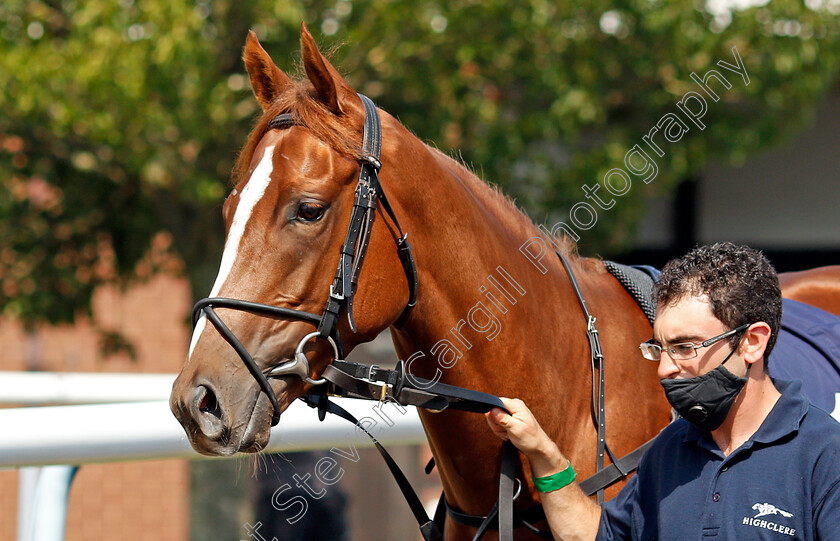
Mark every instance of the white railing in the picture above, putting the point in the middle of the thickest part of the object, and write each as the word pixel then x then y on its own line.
pixel 92 431
pixel 38 388
pixel 36 438
pixel 144 430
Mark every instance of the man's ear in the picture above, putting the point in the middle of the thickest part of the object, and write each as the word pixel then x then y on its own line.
pixel 754 342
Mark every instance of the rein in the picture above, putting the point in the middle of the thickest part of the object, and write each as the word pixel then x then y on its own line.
pixel 355 380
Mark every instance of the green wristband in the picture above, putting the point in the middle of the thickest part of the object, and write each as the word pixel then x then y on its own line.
pixel 550 483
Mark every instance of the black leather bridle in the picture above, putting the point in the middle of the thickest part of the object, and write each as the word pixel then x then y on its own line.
pixel 368 193
pixel 343 378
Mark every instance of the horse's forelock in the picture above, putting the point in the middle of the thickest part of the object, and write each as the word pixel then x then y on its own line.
pixel 300 100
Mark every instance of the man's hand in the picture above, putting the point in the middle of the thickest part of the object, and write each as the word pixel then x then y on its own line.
pixel 524 432
pixel 571 515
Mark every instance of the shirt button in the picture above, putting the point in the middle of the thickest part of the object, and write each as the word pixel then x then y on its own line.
pixel 716 497
pixel 724 468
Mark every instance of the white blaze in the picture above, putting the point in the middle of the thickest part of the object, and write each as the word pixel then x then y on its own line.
pixel 248 199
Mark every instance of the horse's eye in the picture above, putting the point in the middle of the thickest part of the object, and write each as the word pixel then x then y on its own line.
pixel 310 212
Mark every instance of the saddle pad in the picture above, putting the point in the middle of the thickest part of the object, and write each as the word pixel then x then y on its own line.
pixel 638 281
pixel 808 349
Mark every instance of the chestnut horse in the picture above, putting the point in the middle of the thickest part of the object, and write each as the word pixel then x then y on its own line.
pixel 489 315
pixel 818 287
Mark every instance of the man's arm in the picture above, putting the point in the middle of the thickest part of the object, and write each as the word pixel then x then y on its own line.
pixel 571 515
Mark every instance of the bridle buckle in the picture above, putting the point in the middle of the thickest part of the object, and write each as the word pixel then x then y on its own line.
pixel 383 386
pixel 335 296
pixel 372 161
pixel 383 390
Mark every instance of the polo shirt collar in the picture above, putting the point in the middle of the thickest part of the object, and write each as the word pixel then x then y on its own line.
pixel 784 418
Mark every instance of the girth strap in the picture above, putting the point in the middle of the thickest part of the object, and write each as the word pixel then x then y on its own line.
pixel 507 475
pixel 500 516
pixel 521 519
pixel 597 409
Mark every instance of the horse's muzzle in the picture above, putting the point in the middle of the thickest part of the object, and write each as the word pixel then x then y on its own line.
pixel 220 423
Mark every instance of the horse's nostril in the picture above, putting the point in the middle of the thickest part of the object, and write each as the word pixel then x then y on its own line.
pixel 207 412
pixel 208 402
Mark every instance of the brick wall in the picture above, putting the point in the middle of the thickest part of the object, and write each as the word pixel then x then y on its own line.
pixel 147 500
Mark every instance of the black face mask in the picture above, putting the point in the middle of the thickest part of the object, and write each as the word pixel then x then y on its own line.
pixel 705 400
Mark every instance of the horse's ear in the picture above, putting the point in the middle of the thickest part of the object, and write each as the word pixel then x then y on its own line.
pixel 267 80
pixel 332 90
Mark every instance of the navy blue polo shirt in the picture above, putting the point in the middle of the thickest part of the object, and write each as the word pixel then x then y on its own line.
pixel 783 483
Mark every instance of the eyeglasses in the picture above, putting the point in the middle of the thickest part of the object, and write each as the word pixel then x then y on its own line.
pixel 686 350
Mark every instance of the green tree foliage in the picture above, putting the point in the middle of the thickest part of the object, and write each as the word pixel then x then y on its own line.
pixel 121 119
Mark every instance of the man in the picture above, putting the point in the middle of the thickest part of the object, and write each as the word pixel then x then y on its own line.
pixel 751 459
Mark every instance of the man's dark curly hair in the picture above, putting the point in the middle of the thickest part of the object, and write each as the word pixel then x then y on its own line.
pixel 739 281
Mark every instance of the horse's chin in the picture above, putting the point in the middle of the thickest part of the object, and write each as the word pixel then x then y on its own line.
pixel 258 428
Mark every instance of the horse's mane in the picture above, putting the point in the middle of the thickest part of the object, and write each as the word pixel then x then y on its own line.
pixel 300 100
pixel 495 196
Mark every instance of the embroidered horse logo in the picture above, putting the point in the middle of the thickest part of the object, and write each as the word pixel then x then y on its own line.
pixel 769 509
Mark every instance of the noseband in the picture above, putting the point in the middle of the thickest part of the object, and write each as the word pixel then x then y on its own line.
pixel 342 291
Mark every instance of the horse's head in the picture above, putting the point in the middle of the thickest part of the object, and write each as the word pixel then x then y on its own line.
pixel 286 220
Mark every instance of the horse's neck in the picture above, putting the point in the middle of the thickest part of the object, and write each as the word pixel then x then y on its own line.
pixel 480 298
pixel 487 319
